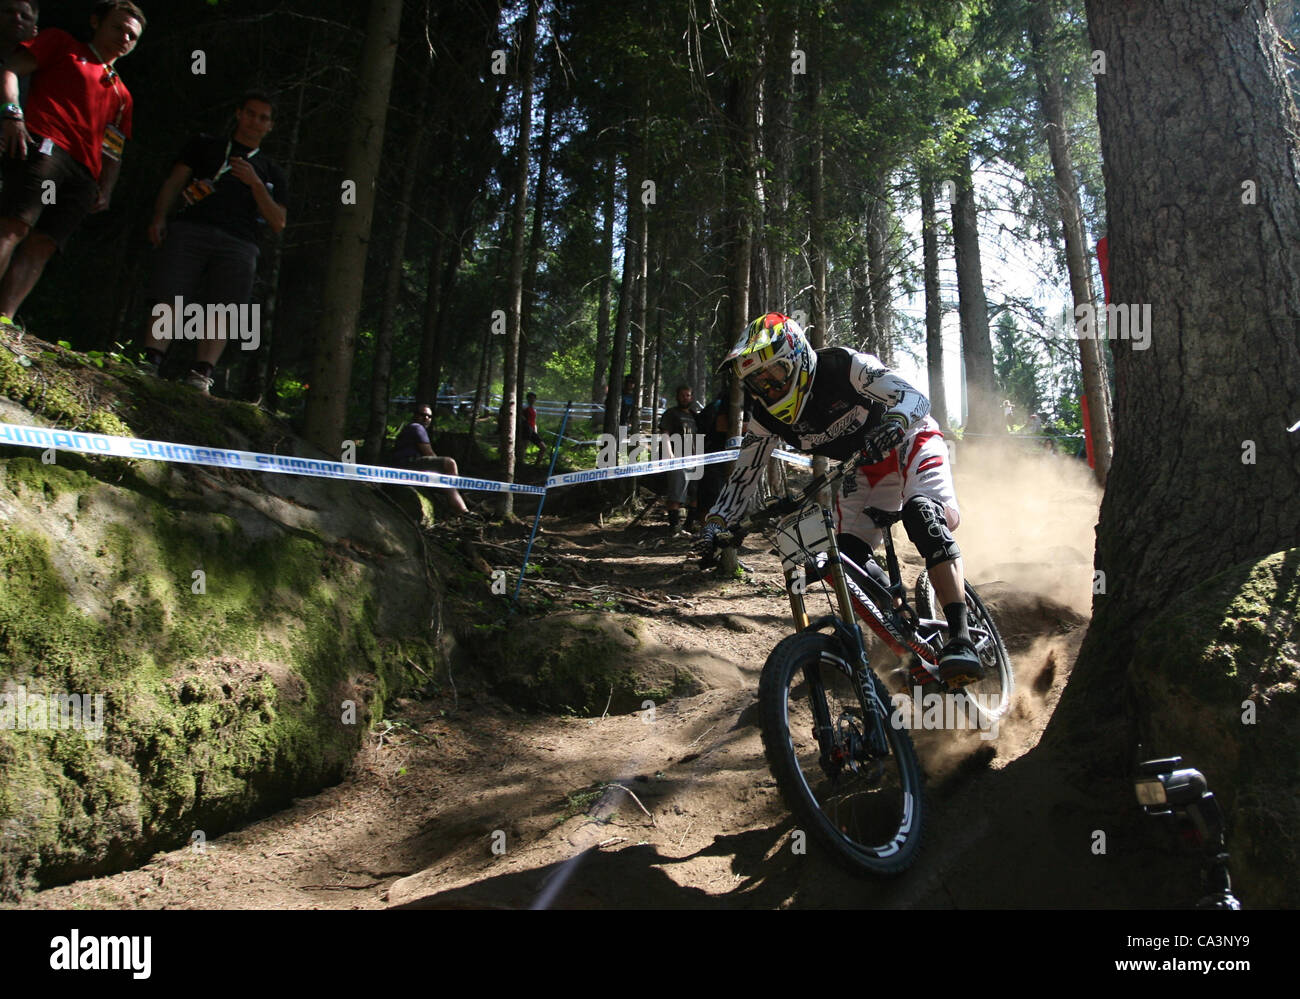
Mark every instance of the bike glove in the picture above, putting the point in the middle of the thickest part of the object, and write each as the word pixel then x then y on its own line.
pixel 883 439
pixel 706 542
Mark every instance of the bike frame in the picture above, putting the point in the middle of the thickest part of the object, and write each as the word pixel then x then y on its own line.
pixel 849 634
pixel 858 597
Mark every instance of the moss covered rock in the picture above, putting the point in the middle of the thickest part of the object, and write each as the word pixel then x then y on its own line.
pixel 184 649
pixel 1216 679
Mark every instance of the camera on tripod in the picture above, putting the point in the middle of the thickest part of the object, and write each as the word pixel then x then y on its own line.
pixel 1182 796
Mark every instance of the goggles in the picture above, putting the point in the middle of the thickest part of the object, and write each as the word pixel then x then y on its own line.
pixel 771 382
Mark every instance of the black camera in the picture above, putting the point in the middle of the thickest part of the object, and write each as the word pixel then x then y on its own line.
pixel 1182 797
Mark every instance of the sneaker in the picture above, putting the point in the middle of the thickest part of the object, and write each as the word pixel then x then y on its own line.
pixel 959 663
pixel 198 381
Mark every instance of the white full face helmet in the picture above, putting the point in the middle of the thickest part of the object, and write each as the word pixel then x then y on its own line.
pixel 776 364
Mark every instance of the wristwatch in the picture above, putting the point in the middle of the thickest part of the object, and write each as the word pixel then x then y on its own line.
pixel 13 111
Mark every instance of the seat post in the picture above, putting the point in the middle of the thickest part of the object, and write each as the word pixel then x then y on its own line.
pixel 891 559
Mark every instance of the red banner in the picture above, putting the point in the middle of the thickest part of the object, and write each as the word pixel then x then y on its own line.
pixel 1103 261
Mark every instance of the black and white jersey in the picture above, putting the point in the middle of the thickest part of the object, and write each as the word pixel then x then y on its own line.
pixel 851 393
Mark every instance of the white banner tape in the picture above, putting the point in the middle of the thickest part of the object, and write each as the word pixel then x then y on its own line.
pixel 131 447
pixel 640 468
pixel 793 458
pixel 253 461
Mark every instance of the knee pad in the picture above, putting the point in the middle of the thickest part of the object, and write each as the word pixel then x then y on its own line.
pixel 926 525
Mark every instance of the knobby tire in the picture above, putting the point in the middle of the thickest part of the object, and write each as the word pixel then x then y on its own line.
pixel 869 822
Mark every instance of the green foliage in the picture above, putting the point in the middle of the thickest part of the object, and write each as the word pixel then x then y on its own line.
pixel 1016 365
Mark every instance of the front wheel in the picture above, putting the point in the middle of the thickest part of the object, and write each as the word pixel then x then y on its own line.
pixel 991 693
pixel 855 786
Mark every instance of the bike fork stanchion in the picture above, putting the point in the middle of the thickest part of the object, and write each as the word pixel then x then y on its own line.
pixel 541 502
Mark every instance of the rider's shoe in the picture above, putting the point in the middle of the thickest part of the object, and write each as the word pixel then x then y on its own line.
pixel 959 663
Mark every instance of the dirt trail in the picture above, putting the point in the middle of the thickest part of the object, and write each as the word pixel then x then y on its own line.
pixel 468 803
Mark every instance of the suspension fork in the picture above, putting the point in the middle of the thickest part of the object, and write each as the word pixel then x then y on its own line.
pixel 823 729
pixel 798 609
pixel 875 715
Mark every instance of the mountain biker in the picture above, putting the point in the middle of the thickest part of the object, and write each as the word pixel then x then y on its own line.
pixel 840 403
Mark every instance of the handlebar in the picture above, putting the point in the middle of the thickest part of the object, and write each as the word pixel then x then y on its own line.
pixel 790 504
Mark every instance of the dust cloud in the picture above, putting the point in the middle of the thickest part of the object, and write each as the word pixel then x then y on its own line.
pixel 1028 518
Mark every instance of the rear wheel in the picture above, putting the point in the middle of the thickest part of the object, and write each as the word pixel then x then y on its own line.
pixel 991 693
pixel 861 801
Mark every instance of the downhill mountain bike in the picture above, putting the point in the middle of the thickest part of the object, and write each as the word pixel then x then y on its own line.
pixel 845 763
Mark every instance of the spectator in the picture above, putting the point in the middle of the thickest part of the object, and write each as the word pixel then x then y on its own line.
pixel 679 424
pixel 71 133
pixel 527 433
pixel 413 450
pixel 714 422
pixel 17 25
pixel 628 402
pixel 209 251
pixel 1008 413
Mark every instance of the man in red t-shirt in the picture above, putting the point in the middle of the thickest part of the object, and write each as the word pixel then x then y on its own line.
pixel 527 432
pixel 67 142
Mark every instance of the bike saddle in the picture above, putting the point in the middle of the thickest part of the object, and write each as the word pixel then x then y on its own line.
pixel 883 518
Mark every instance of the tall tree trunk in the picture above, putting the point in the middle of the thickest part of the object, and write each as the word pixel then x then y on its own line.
pixel 331 378
pixel 655 385
pixel 642 258
pixel 381 371
pixel 933 303
pixel 654 316
pixel 1205 393
pixel 1041 24
pixel 510 373
pixel 741 187
pixel 426 384
pixel 618 356
pixel 862 315
pixel 483 385
pixel 535 240
pixel 878 223
pixel 460 239
pixel 778 117
pixel 600 370
pixel 817 196
pixel 817 224
pixel 693 366
pixel 984 416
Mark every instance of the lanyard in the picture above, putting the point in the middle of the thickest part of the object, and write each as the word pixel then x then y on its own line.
pixel 225 167
pixel 112 79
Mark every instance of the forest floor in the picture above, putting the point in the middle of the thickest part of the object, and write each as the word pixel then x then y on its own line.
pixel 467 802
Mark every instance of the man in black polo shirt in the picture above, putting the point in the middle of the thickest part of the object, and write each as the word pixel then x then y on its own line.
pixel 209 250
pixel 413 450
pixel 679 424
